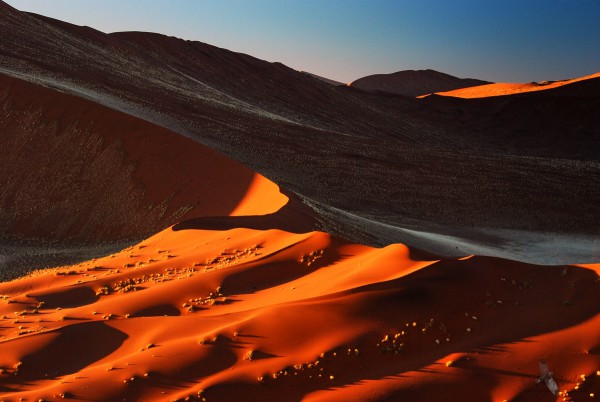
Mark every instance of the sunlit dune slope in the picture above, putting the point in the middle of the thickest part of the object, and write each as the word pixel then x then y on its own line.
pixel 499 89
pixel 72 169
pixel 273 315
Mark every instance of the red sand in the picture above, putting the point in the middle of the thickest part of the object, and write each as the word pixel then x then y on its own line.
pixel 124 177
pixel 271 315
pixel 500 89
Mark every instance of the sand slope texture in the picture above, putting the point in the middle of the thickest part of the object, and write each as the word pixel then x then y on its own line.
pixel 247 275
pixel 274 315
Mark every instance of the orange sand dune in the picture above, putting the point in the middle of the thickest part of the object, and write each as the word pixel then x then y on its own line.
pixel 499 89
pixel 273 315
pixel 240 300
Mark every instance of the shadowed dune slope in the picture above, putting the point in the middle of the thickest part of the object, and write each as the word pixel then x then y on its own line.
pixel 72 169
pixel 556 121
pixel 414 82
pixel 327 80
pixel 273 315
pixel 329 144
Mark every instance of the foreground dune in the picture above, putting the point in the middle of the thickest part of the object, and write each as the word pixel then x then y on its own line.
pixel 206 314
pixel 499 89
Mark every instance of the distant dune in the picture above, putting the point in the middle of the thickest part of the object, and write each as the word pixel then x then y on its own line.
pixel 500 89
pixel 414 82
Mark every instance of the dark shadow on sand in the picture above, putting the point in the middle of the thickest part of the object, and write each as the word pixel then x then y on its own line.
pixel 294 217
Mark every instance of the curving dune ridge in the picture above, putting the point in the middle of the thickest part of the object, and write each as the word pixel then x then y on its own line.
pixel 501 89
pixel 237 291
pixel 274 315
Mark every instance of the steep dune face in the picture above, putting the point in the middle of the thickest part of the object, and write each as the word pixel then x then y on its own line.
pixel 327 80
pixel 414 82
pixel 155 74
pixel 331 144
pixel 71 169
pixel 274 315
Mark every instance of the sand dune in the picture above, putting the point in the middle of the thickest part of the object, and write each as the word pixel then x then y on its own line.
pixel 500 89
pixel 324 79
pixel 275 315
pixel 414 82
pixel 234 294
pixel 331 144
pixel 124 177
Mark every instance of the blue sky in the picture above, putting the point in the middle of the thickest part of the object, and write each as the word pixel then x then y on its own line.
pixel 496 40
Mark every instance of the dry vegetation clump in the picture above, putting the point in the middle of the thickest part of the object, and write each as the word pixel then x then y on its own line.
pixel 312 257
pixel 230 257
pixel 213 298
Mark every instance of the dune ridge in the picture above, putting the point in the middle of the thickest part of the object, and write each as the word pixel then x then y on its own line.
pixel 250 288
pixel 270 314
pixel 502 89
pixel 414 82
